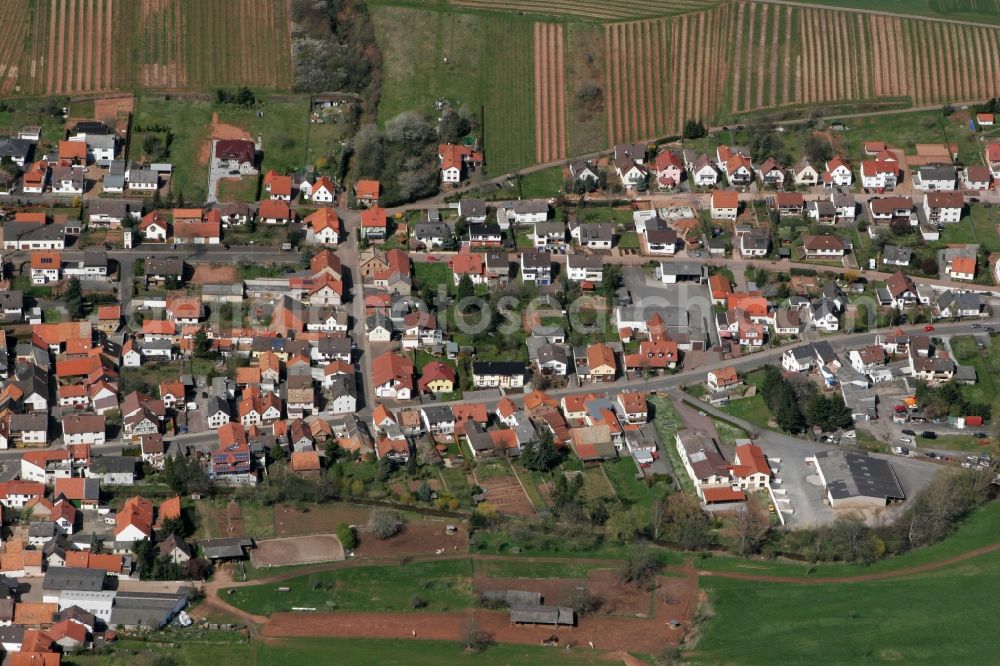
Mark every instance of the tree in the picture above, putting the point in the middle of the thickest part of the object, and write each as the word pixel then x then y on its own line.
pixel 640 568
pixel 465 288
pixel 385 523
pixel 541 456
pixel 474 638
pixel 276 454
pixel 588 94
pixel 384 469
pixel 347 536
pixel 175 526
pixel 751 529
pixel 682 521
pixel 929 266
pixel 73 297
pixel 583 601
pixel 625 524
pixel 454 125
pixel 900 227
pixel 818 150
pixel 424 492
pixel 202 344
pixel 828 413
pixel 694 129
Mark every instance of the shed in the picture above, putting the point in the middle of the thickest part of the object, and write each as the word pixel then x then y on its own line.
pixel 554 615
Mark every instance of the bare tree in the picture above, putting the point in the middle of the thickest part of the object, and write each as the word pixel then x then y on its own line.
pixel 474 638
pixel 752 527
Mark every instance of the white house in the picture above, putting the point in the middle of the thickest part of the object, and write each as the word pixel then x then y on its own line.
pixel 943 207
pixel 799 359
pixel 838 172
pixel 584 268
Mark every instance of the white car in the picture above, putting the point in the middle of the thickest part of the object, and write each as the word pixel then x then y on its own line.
pixel 906 440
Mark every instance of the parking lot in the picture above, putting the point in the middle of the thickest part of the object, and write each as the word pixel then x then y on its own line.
pixel 803 490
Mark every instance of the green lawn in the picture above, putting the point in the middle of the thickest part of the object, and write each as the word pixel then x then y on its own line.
pixel 444 585
pixel 750 409
pixel 979 226
pixel 728 434
pixel 511 568
pixel 629 241
pixel 384 652
pixel 289 141
pixel 429 54
pixel 208 649
pixel 243 190
pixel 667 423
pixel 543 184
pixel 905 130
pixel 621 473
pixel 433 274
pixel 939 618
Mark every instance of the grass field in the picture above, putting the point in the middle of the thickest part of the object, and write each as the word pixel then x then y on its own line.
pixel 750 409
pixel 85 46
pixel 384 652
pixel 443 585
pixel 433 274
pixel 902 620
pixel 482 61
pixel 289 139
pixel 905 130
pixel 526 569
pixel 980 226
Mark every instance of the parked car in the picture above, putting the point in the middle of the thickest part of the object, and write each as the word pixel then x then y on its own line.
pixel 928 434
pixel 988 329
pixel 928 328
pixel 977 326
pixel 906 440
pixel 908 432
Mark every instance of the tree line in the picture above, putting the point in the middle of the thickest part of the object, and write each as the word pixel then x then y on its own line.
pixel 797 407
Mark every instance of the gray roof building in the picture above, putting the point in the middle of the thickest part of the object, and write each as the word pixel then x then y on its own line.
pixel 66 578
pixel 854 477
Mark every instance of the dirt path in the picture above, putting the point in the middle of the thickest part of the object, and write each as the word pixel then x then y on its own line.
pixel 72 56
pixel 108 53
pixel 539 126
pixel 101 46
pixel 863 578
pixel 763 56
pixel 561 93
pixel 552 93
pixel 657 46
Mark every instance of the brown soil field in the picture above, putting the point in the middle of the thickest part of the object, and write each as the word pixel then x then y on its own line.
pixel 220 130
pixel 418 538
pixel 108 108
pixel 508 496
pixel 212 274
pixel 603 632
pixel 297 550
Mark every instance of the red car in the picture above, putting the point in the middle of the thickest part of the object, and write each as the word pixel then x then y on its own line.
pixel 928 328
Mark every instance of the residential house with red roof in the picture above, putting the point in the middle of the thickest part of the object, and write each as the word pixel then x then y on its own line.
pixel 323 191
pixel 134 521
pixel 392 376
pixel 456 161
pixel 366 192
pixel 277 186
pixel 273 212
pixel 232 459
pixel 374 223
pixel 324 225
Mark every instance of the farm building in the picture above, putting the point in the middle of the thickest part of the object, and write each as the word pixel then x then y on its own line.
pixel 857 480
pixel 554 615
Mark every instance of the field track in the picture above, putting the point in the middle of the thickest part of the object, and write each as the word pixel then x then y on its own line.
pixel 550 93
pixel 582 9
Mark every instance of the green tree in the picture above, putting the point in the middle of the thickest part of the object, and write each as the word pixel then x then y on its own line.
pixel 694 129
pixel 202 344
pixel 73 297
pixel 348 536
pixel 465 288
